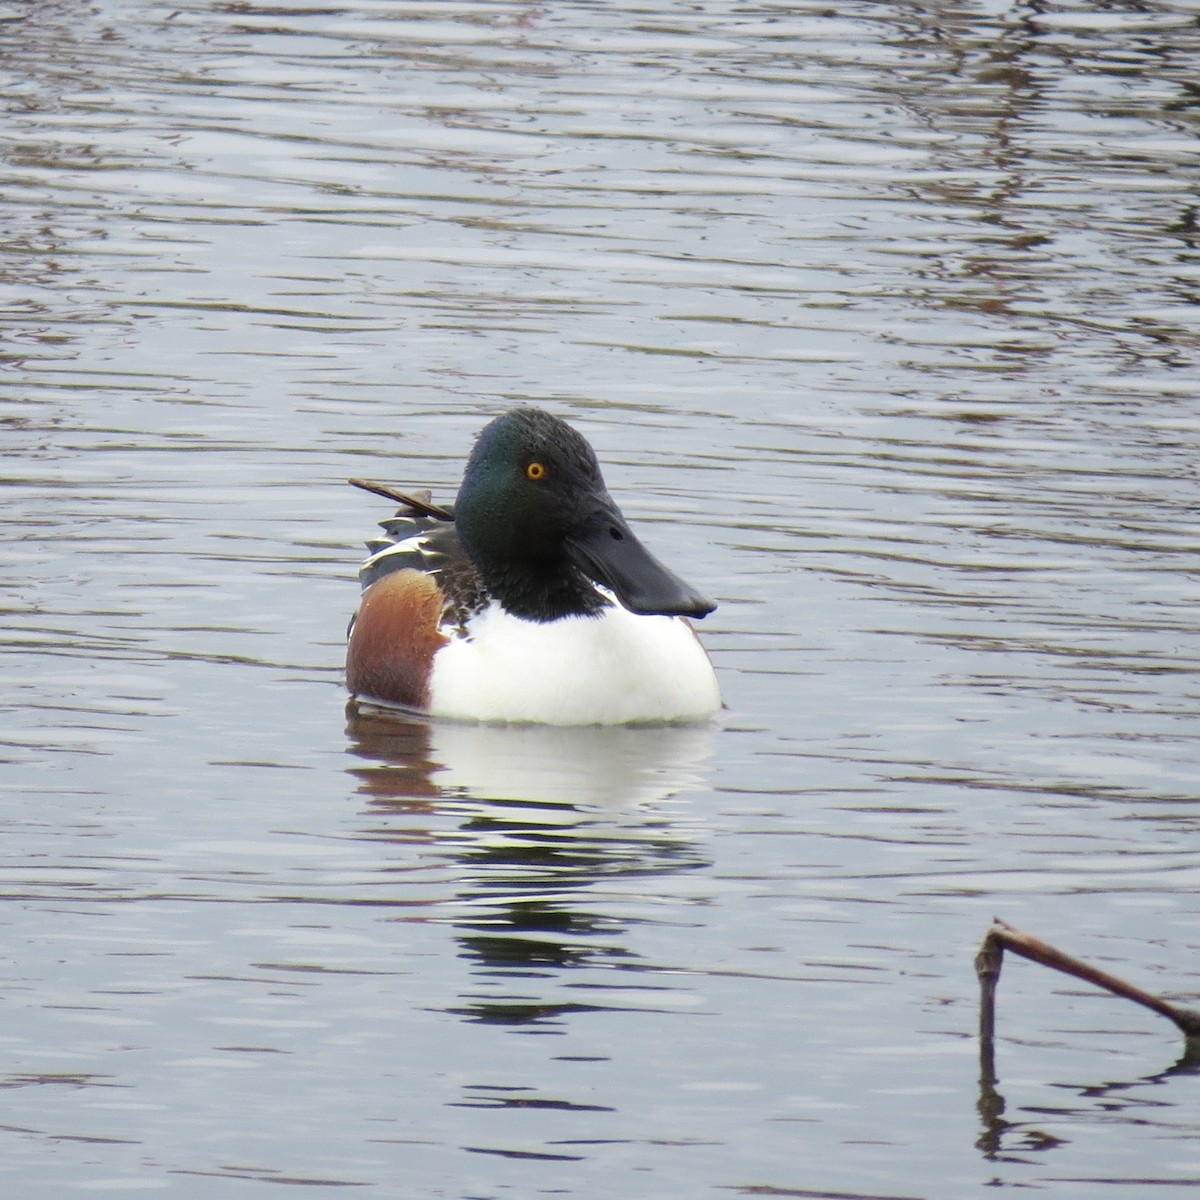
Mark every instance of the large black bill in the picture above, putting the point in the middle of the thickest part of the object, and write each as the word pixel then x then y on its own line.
pixel 605 549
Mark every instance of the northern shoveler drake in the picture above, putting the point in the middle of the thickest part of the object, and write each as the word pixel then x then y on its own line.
pixel 530 601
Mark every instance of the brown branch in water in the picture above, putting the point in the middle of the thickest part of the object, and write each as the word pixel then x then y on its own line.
pixel 1002 936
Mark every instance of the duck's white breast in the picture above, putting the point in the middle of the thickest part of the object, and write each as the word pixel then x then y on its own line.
pixel 613 669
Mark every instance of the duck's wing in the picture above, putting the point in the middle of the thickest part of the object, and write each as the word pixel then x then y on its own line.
pixel 421 536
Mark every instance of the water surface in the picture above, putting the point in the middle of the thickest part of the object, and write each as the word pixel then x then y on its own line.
pixel 883 321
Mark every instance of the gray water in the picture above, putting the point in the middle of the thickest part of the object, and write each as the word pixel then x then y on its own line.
pixel 882 318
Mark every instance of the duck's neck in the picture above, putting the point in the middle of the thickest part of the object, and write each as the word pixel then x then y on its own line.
pixel 541 593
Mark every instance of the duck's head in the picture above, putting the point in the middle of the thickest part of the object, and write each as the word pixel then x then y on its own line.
pixel 537 521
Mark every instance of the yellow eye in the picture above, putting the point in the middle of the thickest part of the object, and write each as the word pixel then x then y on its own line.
pixel 535 471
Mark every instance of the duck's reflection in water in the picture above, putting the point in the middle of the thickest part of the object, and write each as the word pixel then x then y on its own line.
pixel 545 833
pixel 610 766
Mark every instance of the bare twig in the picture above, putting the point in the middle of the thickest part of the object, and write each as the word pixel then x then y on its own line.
pixel 1002 936
pixel 420 503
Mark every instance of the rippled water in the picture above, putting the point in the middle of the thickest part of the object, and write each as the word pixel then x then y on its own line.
pixel 883 320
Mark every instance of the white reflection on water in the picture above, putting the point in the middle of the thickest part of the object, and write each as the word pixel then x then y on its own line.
pixel 589 767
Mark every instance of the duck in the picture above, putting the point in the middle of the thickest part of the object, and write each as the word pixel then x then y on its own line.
pixel 530 600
